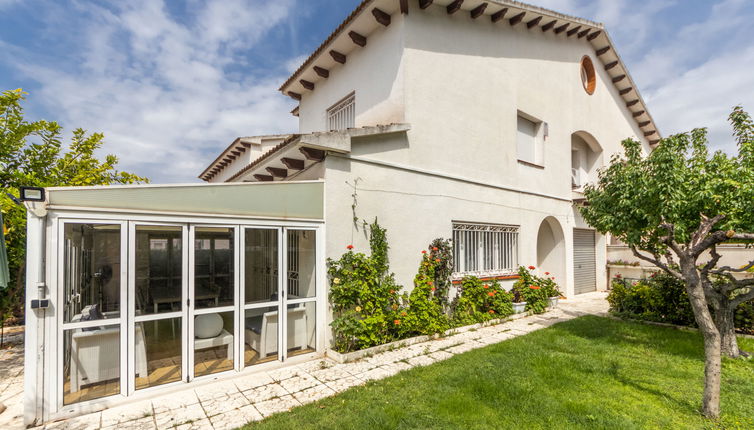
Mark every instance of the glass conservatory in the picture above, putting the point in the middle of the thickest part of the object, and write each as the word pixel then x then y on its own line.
pixel 138 288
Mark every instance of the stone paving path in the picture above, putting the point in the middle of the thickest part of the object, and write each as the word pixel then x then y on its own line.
pixel 12 377
pixel 232 403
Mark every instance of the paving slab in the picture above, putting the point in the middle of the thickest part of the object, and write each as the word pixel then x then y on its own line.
pixel 230 403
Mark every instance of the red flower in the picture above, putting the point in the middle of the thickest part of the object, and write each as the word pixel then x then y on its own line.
pixel 434 248
pixel 547 273
pixel 618 276
pixel 396 322
pixel 437 260
pixel 486 286
pixel 532 267
pixel 424 252
pixel 491 311
pixel 429 282
pixel 349 246
pixel 534 287
pixel 553 278
pixel 491 293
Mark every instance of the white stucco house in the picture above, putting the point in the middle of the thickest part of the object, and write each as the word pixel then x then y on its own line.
pixel 474 120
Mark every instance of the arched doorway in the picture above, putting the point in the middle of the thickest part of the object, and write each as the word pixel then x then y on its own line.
pixel 586 158
pixel 551 254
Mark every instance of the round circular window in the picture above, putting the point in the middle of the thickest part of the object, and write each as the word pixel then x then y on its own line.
pixel 588 78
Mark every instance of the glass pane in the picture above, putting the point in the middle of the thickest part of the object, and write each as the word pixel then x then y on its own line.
pixel 91 279
pixel 214 267
pixel 261 265
pixel 260 335
pixel 213 343
pixel 157 352
pixel 91 363
pixel 159 269
pixel 301 328
pixel 301 263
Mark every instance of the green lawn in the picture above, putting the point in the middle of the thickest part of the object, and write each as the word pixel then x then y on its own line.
pixel 590 372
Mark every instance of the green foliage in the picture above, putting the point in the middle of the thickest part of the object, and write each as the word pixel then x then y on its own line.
pixel 663 298
pixel 587 373
pixel 479 301
pixel 33 154
pixel 364 296
pixel 534 290
pixel 675 184
pixel 441 252
pixel 369 310
pixel 425 313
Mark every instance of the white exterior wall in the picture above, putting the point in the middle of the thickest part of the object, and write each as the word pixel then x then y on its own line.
pixel 374 73
pixel 464 81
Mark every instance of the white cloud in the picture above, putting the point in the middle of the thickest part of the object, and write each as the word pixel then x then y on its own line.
pixel 158 88
pixel 692 60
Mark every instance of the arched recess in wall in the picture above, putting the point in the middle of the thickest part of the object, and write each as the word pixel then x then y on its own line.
pixel 551 254
pixel 586 158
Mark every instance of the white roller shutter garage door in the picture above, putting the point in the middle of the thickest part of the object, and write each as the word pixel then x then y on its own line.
pixel 584 261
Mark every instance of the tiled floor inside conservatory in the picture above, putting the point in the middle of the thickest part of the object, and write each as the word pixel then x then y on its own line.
pixel 230 403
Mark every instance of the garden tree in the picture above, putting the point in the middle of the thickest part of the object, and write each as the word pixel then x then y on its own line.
pixel 32 154
pixel 673 208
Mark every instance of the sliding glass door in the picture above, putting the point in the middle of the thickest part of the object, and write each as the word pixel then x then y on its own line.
pixel 92 263
pixel 262 298
pixel 301 287
pixel 279 306
pixel 212 305
pixel 157 294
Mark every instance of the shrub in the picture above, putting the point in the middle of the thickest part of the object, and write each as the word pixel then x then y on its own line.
pixel 663 298
pixel 441 253
pixel 364 296
pixel 424 313
pixel 529 288
pixel 479 301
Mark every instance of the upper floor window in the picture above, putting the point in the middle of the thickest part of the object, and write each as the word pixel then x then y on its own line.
pixel 342 114
pixel 484 249
pixel 530 139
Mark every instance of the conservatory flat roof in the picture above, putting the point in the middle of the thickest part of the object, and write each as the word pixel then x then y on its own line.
pixel 279 200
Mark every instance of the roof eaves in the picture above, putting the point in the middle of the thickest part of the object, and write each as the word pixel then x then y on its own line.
pixel 352 16
pixel 264 156
pixel 236 141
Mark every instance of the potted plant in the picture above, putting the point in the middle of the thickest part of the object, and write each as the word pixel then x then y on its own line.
pixel 551 289
pixel 519 302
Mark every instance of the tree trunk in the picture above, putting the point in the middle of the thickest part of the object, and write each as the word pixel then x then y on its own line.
pixel 712 369
pixel 712 359
pixel 725 324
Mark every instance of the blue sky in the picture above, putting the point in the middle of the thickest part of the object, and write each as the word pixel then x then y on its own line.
pixel 171 83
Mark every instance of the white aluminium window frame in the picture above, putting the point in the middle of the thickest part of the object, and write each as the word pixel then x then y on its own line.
pixel 58 382
pixel 484 250
pixel 53 373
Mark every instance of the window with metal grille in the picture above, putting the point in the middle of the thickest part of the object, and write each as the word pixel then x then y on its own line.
pixel 484 249
pixel 342 114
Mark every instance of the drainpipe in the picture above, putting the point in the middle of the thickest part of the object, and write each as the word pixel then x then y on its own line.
pixel 37 304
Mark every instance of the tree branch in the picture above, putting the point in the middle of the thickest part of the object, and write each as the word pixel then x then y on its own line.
pixel 657 262
pixel 720 270
pixel 743 297
pixel 712 262
pixel 670 238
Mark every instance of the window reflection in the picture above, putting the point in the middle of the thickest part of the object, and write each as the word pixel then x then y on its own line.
pixel 261 265
pixel 301 263
pixel 91 262
pixel 91 363
pixel 213 267
pixel 159 269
